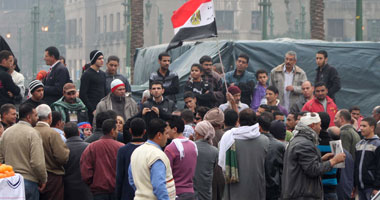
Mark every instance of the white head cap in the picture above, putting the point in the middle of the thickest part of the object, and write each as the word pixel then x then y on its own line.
pixel 310 118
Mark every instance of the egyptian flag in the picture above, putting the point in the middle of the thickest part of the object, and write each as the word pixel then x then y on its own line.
pixel 192 21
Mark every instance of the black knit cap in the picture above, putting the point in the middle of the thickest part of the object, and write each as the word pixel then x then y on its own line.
pixel 94 55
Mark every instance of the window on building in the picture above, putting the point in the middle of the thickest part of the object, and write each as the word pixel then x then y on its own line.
pixel 111 23
pixel 105 24
pixel 118 21
pixel 98 25
pixel 256 21
pixel 335 29
pixel 225 19
pixel 373 29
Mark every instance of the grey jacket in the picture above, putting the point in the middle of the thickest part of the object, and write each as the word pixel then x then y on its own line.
pixel 303 166
pixel 349 138
pixel 277 79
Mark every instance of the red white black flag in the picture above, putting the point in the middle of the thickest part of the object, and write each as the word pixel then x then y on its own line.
pixel 192 21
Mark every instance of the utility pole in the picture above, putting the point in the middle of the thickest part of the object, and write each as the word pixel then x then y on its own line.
pixel 127 23
pixel 271 23
pixel 19 47
pixel 359 20
pixel 35 21
pixel 265 4
pixel 160 27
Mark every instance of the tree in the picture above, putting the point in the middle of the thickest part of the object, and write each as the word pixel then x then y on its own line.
pixel 137 29
pixel 317 19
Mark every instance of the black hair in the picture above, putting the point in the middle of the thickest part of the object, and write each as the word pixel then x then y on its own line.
pixel 265 120
pixel 261 71
pixel 323 52
pixel 188 94
pixel 354 108
pixel 320 84
pixel 247 117
pixel 273 89
pixel 275 113
pixel 25 110
pixel 113 58
pixel 325 120
pixel 187 116
pixel 56 117
pixel 4 54
pixel 137 126
pixel 108 125
pixel 156 83
pixel 197 66
pixel 62 58
pixel 156 125
pixel 205 59
pixel 101 117
pixel 230 117
pixel 177 122
pixel 53 51
pixel 163 54
pixel 265 107
pixel 202 110
pixel 245 56
pixel 5 108
pixel 71 129
pixel 112 114
pixel 345 114
pixel 371 121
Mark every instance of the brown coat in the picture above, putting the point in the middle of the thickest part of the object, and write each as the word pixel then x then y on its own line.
pixel 56 151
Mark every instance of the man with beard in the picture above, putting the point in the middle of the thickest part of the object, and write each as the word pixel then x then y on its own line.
pixel 213 80
pixel 321 102
pixel 327 74
pixel 71 108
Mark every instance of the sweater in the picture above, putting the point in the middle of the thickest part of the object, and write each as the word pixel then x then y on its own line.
pixel 21 147
pixel 92 88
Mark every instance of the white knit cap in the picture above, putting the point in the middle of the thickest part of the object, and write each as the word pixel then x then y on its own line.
pixel 310 118
pixel 115 84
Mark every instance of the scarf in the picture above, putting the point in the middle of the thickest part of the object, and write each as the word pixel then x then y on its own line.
pixel 302 129
pixel 227 148
pixel 178 143
pixel 61 105
pixel 205 129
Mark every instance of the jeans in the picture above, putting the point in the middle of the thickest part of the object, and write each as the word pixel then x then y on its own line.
pixel 31 190
pixel 365 194
pixel 330 196
pixel 107 196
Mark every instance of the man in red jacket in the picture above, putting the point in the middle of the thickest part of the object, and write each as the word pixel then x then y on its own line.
pixel 321 102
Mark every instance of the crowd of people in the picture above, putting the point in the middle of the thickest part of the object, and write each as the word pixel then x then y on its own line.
pixel 240 135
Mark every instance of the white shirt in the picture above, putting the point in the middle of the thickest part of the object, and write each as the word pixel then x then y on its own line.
pixel 288 81
pixel 19 79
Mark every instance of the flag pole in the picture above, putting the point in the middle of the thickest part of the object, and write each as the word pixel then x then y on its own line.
pixel 221 63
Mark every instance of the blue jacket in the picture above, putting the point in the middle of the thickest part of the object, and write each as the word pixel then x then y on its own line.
pixel 246 83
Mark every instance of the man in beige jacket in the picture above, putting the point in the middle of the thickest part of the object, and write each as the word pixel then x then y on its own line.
pixel 56 154
pixel 21 147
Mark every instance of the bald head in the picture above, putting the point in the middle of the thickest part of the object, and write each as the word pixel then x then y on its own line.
pixel 376 113
pixel 334 132
pixel 307 89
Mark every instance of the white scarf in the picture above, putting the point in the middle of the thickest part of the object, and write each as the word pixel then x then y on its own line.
pixel 228 139
pixel 179 145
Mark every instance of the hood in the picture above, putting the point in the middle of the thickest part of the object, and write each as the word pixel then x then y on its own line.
pixel 307 132
pixel 246 132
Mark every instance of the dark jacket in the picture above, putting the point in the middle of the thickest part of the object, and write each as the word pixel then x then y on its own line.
pixel 54 82
pixel 330 77
pixel 346 178
pixel 199 90
pixel 298 105
pixel 216 87
pixel 246 83
pixel 166 108
pixel 367 163
pixel 96 135
pixel 75 188
pixel 170 82
pixel 303 166
pixel 110 78
pixel 92 88
pixel 273 167
pixel 7 84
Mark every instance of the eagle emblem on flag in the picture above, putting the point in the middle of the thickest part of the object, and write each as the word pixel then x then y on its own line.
pixel 196 18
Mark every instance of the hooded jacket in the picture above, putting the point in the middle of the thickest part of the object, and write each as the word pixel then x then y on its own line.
pixel 303 166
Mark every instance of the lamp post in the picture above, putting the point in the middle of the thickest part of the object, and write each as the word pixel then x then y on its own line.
pixel 160 21
pixel 303 22
pixel 127 23
pixel 35 21
pixel 359 20
pixel 266 5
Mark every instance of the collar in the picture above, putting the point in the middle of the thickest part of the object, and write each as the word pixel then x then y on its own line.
pixel 151 142
pixel 162 99
pixel 107 137
pixel 372 138
pixel 3 68
pixel 238 105
pixel 237 76
pixel 323 68
pixel 138 140
pixel 43 123
pixel 74 138
pixel 53 65
pixel 25 123
pixel 166 74
pixel 58 130
pixel 284 69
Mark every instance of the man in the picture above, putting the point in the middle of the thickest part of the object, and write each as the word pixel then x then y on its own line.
pixel 272 99
pixel 98 162
pixel 367 161
pixel 158 105
pixel 278 115
pixel 123 190
pixel 75 188
pixel 8 89
pixel 242 78
pixel 188 118
pixel 150 173
pixel 376 116
pixel 111 74
pixel 241 142
pixel 230 119
pixel 57 76
pixel 190 101
pixel 327 74
pixel 273 160
pixel 182 154
pixel 93 83
pixel 36 89
pixel 207 160
pixel 56 154
pixel 8 115
pixel 291 121
pixel 213 80
pixel 288 78
pixel 57 124
pixel 18 79
pixel 356 116
pixel 233 100
pixel 321 102
pixel 168 78
pixel 348 135
pixel 21 147
pixel 118 101
pixel 71 108
pixel 100 118
pixel 307 95
pixel 303 165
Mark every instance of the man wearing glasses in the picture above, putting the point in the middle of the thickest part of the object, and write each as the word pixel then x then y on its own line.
pixel 71 108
